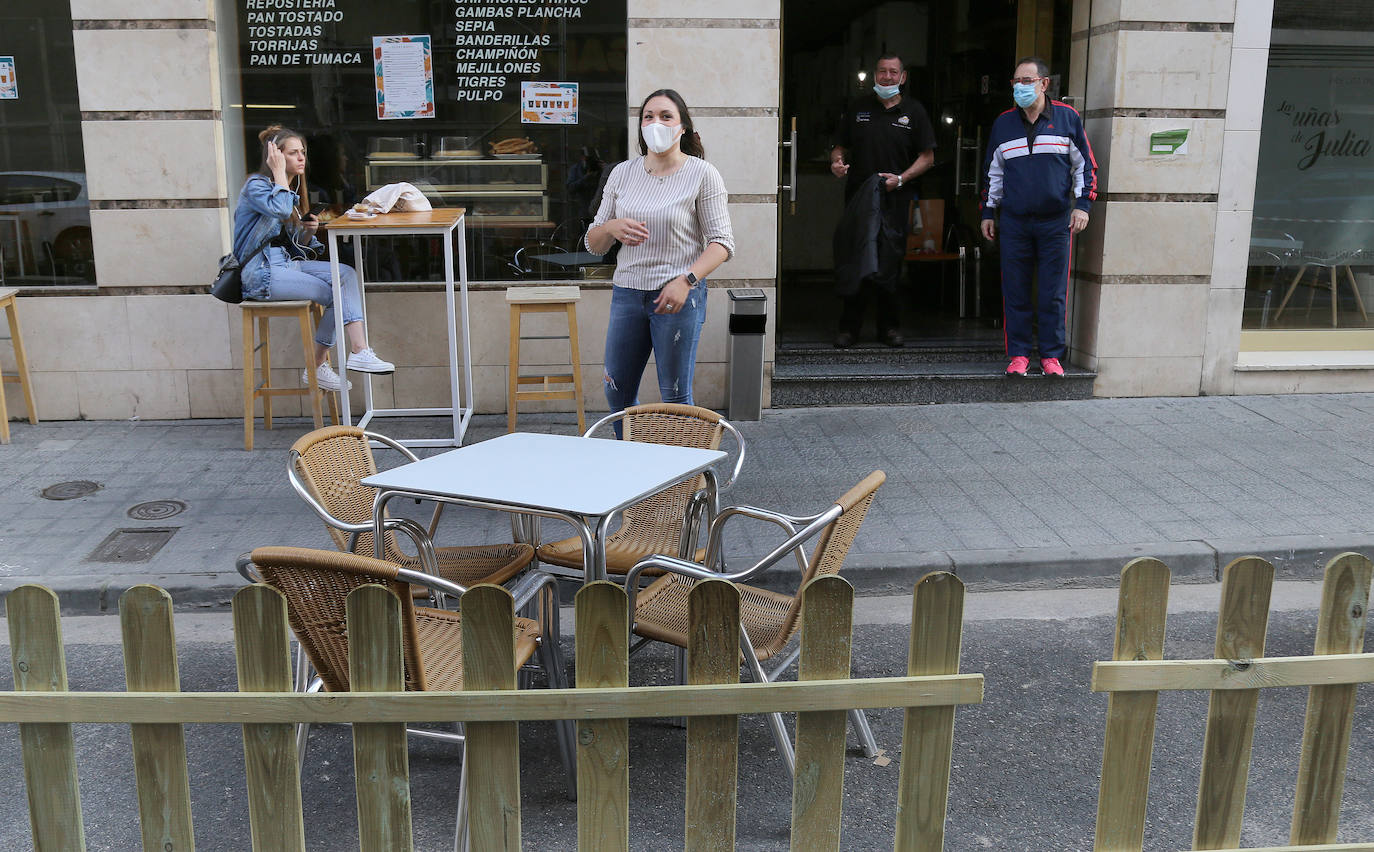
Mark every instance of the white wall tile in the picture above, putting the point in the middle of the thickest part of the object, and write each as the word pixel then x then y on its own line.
pixel 704 9
pixel 54 394
pixel 147 395
pixel 1152 320
pixel 179 333
pixel 1171 70
pixel 1154 376
pixel 75 334
pixel 1232 252
pixel 1223 340
pixel 1239 164
pixel 143 9
pixel 1245 94
pixel 745 151
pixel 1154 238
pixel 153 159
pixel 1082 12
pixel 1105 12
pixel 1254 23
pixel 755 228
pixel 692 61
pixel 158 247
pixel 1204 11
pixel 146 69
pixel 1133 168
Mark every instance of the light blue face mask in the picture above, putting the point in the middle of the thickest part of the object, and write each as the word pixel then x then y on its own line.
pixel 886 92
pixel 1024 94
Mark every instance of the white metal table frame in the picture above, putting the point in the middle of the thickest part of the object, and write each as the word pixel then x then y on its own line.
pixel 585 482
pixel 460 384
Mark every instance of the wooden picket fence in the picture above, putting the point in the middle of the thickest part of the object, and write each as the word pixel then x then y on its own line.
pixel 602 704
pixel 1138 673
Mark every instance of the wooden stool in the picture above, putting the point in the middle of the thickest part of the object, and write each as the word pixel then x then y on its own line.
pixel 307 314
pixel 11 310
pixel 542 300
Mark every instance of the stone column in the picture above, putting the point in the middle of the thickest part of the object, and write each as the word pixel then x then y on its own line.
pixel 723 56
pixel 148 81
pixel 1144 268
pixel 149 89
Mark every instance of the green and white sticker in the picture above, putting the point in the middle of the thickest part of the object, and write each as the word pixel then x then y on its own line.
pixel 1169 142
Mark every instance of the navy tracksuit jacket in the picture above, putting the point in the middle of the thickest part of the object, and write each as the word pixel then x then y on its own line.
pixel 1034 177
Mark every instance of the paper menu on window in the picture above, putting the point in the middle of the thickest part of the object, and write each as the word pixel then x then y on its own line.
pixel 404 71
pixel 548 103
pixel 9 83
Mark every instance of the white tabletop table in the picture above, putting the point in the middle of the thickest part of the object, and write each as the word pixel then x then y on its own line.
pixel 443 223
pixel 584 481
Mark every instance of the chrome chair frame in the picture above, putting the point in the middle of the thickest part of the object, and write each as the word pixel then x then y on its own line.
pixel 810 526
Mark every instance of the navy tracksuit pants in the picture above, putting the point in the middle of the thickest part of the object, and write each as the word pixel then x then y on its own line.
pixel 1034 249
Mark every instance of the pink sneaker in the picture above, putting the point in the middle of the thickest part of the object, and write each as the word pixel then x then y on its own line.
pixel 1018 366
pixel 1051 367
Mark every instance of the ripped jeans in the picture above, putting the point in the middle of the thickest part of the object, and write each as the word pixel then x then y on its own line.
pixel 635 330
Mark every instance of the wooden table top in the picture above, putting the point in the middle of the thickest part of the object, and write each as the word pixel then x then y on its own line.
pixel 443 217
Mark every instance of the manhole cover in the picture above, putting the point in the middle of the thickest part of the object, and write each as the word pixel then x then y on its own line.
pixel 70 490
pixel 136 545
pixel 157 510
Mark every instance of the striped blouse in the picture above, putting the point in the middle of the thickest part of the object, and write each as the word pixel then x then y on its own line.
pixel 683 212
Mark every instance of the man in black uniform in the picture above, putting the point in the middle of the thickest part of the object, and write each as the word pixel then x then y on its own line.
pixel 890 136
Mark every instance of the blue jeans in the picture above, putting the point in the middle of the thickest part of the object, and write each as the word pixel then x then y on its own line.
pixel 635 330
pixel 310 279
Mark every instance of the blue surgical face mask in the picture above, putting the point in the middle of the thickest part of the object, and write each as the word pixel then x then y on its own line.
pixel 886 92
pixel 1024 94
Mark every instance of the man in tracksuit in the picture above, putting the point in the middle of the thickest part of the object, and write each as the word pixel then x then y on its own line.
pixel 1040 174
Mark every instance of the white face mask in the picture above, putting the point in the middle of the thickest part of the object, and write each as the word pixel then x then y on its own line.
pixel 660 137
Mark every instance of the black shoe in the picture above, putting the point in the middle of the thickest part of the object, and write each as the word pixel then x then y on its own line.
pixel 892 337
pixel 844 340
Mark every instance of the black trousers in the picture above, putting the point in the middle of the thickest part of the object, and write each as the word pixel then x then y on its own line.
pixel 883 288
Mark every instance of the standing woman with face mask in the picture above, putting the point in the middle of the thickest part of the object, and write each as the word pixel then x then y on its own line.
pixel 273 208
pixel 667 209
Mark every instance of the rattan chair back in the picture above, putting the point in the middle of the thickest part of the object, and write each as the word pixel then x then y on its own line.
pixel 655 525
pixel 828 557
pixel 316 584
pixel 333 461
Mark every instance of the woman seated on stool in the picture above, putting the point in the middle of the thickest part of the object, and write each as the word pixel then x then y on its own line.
pixel 273 207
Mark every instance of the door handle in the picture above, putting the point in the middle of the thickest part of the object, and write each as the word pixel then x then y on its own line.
pixel 791 186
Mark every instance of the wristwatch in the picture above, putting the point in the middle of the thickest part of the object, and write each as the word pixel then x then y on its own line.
pixel 899 181
pixel 691 277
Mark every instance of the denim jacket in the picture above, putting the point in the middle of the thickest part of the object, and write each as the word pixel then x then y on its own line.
pixel 262 208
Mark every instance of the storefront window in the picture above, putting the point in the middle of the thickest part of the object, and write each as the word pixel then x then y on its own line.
pixel 509 108
pixel 45 219
pixel 1312 242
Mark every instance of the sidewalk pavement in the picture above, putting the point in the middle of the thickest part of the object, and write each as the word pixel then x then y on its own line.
pixel 1004 494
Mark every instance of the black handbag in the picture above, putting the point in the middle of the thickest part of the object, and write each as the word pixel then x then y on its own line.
pixel 228 283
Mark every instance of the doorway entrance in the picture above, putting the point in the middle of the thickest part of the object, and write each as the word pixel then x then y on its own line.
pixel 957 57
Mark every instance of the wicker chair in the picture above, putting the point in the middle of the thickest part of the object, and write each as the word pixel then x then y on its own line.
pixel 666 523
pixel 768 619
pixel 316 584
pixel 326 469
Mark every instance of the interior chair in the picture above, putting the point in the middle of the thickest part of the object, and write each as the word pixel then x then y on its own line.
pixel 768 619
pixel 316 584
pixel 669 521
pixel 326 468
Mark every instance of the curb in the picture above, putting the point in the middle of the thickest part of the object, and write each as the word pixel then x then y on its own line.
pixel 1293 557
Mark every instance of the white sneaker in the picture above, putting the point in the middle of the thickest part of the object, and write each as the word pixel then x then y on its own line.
pixel 366 361
pixel 325 377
